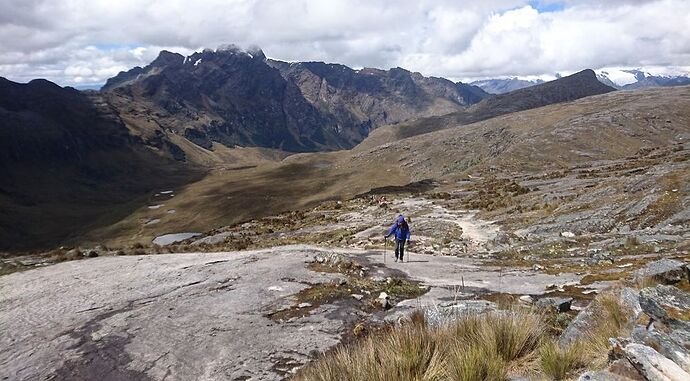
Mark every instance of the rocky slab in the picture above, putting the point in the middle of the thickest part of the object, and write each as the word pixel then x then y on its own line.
pixel 173 317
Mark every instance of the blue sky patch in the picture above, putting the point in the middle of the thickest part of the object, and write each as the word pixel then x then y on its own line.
pixel 547 6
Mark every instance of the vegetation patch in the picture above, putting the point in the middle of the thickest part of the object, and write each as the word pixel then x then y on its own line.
pixel 309 299
pixel 411 188
pixel 343 289
pixel 12 267
pixel 604 277
pixel 473 347
pixel 558 363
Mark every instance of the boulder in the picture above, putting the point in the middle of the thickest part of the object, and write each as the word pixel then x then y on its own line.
pixel 555 304
pixel 679 331
pixel 449 312
pixel 664 345
pixel 665 303
pixel 398 317
pixel 666 271
pixel 587 318
pixel 652 365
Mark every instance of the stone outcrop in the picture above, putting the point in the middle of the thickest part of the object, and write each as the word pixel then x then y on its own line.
pixel 587 318
pixel 667 271
pixel 660 349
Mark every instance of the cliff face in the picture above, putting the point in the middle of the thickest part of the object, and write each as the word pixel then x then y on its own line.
pixel 362 100
pixel 236 97
pixel 228 96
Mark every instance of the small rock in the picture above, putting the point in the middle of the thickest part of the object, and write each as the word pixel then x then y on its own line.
pixel 568 234
pixel 601 257
pixel 537 267
pixel 603 375
pixel 358 296
pixel 526 299
pixel 385 303
pixel 304 305
pixel 91 254
pixel 555 304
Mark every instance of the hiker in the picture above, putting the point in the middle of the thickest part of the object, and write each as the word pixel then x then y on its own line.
pixel 402 234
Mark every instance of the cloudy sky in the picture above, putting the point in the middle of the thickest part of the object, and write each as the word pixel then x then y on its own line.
pixel 77 42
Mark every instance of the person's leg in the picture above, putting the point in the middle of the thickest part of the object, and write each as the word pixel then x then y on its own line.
pixel 402 248
pixel 397 248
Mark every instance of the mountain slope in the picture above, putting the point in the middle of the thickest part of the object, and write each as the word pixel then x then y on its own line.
pixel 604 127
pixel 565 89
pixel 227 96
pixel 372 97
pixel 610 126
pixel 236 97
pixel 68 164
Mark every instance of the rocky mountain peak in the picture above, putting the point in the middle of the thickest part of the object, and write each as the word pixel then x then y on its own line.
pixel 166 58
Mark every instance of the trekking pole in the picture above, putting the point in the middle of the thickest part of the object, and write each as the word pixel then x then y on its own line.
pixel 385 248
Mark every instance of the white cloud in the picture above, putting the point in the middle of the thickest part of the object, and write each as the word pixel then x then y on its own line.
pixel 87 41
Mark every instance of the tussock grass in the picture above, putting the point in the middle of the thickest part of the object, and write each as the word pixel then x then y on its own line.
pixel 558 363
pixel 476 363
pixel 472 348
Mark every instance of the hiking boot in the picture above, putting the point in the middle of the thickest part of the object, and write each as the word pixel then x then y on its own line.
pixel 396 259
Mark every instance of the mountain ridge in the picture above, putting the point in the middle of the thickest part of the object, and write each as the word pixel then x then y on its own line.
pixel 638 79
pixel 564 89
pixel 209 97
